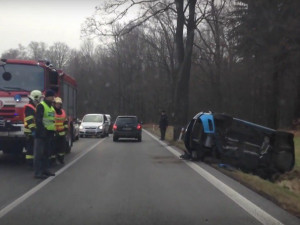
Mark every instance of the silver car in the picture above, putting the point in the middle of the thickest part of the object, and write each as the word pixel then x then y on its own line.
pixel 94 125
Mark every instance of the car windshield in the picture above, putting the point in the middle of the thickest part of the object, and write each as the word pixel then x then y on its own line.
pixel 126 120
pixel 16 77
pixel 93 118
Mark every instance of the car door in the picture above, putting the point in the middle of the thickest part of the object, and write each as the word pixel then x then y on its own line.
pixel 105 124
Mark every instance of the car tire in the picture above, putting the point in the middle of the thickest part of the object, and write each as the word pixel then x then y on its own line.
pixel 139 138
pixel 115 139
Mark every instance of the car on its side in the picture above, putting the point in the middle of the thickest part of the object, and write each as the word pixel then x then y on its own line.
pixel 127 127
pixel 94 125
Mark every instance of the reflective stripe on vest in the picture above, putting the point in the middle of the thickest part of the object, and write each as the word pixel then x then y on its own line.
pixel 48 118
pixel 29 157
pixel 32 125
pixel 59 122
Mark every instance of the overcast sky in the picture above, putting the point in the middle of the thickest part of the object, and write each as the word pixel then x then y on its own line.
pixel 49 21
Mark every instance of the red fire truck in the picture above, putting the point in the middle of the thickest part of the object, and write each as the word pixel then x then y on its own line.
pixel 17 79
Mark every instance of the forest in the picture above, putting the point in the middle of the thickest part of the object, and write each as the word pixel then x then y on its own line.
pixel 238 57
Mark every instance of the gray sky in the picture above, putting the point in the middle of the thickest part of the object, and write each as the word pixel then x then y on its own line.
pixel 49 21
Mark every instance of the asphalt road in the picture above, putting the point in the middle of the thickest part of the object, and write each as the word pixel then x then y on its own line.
pixel 127 182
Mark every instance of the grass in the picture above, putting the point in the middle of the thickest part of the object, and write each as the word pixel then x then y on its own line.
pixel 285 192
pixel 282 195
pixel 297 149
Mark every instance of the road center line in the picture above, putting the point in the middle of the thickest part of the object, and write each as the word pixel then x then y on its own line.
pixel 32 191
pixel 254 210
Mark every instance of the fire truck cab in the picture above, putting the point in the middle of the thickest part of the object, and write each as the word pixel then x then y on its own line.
pixel 17 79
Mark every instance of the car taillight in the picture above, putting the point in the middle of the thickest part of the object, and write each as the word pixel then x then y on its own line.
pixel 139 127
pixel 115 127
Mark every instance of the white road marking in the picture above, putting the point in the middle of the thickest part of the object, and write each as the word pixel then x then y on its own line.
pixel 254 210
pixel 32 191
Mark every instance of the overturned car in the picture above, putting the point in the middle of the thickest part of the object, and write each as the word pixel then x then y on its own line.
pixel 248 146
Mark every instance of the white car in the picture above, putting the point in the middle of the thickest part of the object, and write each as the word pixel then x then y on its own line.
pixel 94 125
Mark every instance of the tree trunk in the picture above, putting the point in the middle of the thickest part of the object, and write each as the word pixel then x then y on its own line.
pixel 184 56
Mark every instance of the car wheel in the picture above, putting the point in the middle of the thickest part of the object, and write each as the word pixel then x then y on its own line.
pixel 115 138
pixel 139 138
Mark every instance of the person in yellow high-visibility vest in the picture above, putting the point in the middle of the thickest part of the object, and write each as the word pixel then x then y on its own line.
pixel 45 130
pixel 29 123
pixel 61 123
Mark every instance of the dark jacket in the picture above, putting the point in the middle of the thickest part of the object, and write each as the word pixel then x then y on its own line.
pixel 163 122
pixel 41 131
pixel 30 113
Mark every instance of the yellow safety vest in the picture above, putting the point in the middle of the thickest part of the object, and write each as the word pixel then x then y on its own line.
pixel 49 117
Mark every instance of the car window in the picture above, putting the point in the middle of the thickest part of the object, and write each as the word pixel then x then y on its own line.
pixel 126 120
pixel 93 118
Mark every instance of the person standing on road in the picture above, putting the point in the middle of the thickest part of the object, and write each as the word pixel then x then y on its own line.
pixel 45 130
pixel 61 123
pixel 163 124
pixel 29 124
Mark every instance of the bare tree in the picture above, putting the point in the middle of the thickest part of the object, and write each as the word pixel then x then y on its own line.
pixel 18 53
pixel 58 54
pixel 37 50
pixel 186 20
pixel 213 45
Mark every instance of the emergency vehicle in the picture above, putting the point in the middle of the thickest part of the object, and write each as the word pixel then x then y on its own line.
pixel 17 79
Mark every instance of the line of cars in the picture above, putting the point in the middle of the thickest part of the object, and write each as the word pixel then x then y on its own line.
pixel 100 125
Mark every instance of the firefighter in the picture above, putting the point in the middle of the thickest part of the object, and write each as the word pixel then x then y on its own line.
pixel 45 130
pixel 35 97
pixel 61 124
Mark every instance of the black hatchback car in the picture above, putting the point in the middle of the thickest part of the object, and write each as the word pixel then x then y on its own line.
pixel 127 127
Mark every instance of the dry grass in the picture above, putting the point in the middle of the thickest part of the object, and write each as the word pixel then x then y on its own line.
pixel 297 149
pixel 280 194
pixel 285 191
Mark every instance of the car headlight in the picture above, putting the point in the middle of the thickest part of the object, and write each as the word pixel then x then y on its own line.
pixel 100 127
pixel 81 127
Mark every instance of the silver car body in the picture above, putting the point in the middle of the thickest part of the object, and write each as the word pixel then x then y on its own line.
pixel 94 125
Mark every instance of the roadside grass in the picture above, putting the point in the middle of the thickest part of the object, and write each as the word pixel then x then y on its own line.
pixel 297 149
pixel 285 191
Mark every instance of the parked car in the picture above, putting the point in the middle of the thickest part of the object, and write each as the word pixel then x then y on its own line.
pixel 110 123
pixel 94 125
pixel 127 127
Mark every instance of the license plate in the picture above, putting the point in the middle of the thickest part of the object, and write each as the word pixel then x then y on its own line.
pixel 128 128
